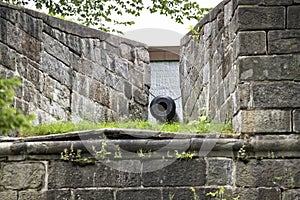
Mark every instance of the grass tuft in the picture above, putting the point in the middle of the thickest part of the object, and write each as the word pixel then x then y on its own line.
pixel 196 127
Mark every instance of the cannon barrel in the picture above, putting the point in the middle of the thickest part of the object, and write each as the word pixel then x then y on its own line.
pixel 163 108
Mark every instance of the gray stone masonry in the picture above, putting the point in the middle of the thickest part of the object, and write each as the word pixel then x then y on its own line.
pixel 72 72
pixel 254 168
pixel 245 66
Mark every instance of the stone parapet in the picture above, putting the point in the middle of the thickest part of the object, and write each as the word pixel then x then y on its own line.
pixel 71 72
pixel 253 168
pixel 244 66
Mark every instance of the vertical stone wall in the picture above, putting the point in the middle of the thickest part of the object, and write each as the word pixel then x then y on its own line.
pixel 71 72
pixel 245 66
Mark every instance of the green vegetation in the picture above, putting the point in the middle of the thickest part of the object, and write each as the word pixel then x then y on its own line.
pixel 105 14
pixel 200 126
pixel 11 118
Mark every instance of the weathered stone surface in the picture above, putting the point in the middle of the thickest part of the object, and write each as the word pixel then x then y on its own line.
pixel 9 195
pixel 194 193
pixel 94 194
pixel 293 17
pixel 285 41
pixel 254 18
pixel 291 194
pixel 141 194
pixel 7 57
pixel 31 194
pixel 59 194
pixel 126 52
pixel 65 174
pixel 268 173
pixel 261 68
pixel 172 175
pixel 25 175
pixel 219 172
pixel 264 2
pixel 258 193
pixel 276 95
pixel 251 43
pixel 265 121
pixel 296 121
pixel 143 54
pixel 56 49
pixel 56 69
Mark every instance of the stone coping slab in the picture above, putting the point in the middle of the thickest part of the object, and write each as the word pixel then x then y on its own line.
pixel 132 140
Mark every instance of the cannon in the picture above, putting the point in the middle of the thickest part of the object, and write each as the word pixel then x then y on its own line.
pixel 163 108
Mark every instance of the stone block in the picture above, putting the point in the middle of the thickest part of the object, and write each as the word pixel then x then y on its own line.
pixel 59 194
pixel 263 68
pixel 219 171
pixel 32 26
pixel 66 174
pixel 9 195
pixel 184 193
pixel 94 194
pixel 276 95
pixel 7 57
pixel 282 173
pixel 121 67
pixel 265 121
pixel 127 90
pixel 136 77
pixel 244 95
pixel 251 43
pixel 31 47
pixel 140 97
pixel 258 193
pixel 3 31
pixel 293 17
pixel 296 121
pixel 291 194
pixel 31 194
pixel 56 49
pixel 265 2
pixel 141 194
pixel 126 52
pixel 285 41
pixel 22 175
pixel 227 64
pixel 260 18
pixel 99 93
pixel 143 54
pixel 56 69
pixel 228 13
pixel 172 175
pixel 297 1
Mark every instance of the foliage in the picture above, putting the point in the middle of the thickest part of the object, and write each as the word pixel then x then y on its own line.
pixel 10 117
pixel 105 13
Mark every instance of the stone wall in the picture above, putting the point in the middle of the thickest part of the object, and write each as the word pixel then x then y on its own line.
pixel 254 169
pixel 245 66
pixel 71 72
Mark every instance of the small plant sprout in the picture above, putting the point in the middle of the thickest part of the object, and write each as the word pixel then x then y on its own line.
pixel 118 153
pixel 171 196
pixel 195 33
pixel 141 153
pixel 218 194
pixel 184 155
pixel 195 196
pixel 103 153
pixel 67 155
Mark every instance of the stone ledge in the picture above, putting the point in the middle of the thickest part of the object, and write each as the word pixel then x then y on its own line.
pixel 132 141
